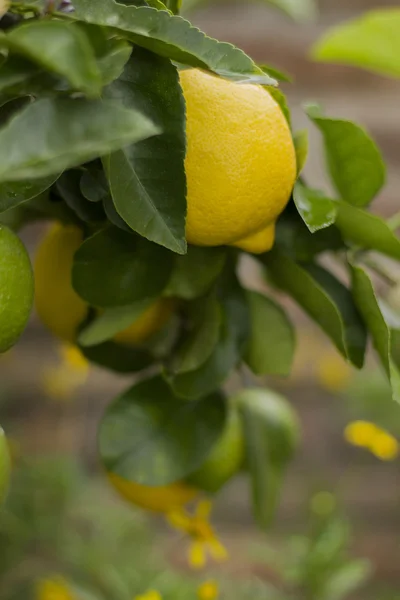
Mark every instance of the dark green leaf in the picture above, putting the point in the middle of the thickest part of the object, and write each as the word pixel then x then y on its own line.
pixel 147 179
pixel 325 299
pixel 366 230
pixel 62 133
pixel 68 188
pixel 152 437
pixel 118 358
pixel 111 322
pixel 61 48
pixel 112 214
pixel 271 345
pixel 17 75
pixel 93 184
pixel 316 210
pixel 173 37
pixel 271 432
pixel 17 192
pixel 354 160
pixel 275 73
pixel 300 140
pixel 200 341
pixel 114 268
pixel 370 41
pixel 368 306
pixel 195 272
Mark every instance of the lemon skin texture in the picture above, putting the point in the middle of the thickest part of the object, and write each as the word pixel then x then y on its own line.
pixel 151 321
pixel 58 305
pixel 240 162
pixel 16 288
pixel 161 499
pixel 225 460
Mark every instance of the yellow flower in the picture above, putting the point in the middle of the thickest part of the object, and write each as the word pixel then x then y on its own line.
pixel 208 591
pixel 198 527
pixel 54 589
pixel 150 595
pixel 379 442
pixel 333 373
pixel 73 358
pixel 61 381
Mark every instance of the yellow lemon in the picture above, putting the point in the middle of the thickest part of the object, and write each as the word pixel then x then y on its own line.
pixel 149 322
pixel 57 304
pixel 240 162
pixel 158 499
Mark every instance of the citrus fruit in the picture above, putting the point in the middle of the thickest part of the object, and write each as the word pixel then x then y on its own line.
pixel 225 459
pixel 157 499
pixel 240 162
pixel 149 322
pixel 57 304
pixel 16 288
pixel 5 466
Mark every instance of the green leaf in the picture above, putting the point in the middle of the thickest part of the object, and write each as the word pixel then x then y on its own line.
pixel 346 579
pixel 111 322
pixel 118 358
pixel 366 230
pixel 18 75
pixel 147 179
pixel 61 133
pixel 271 432
pixel 228 351
pixel 152 437
pixel 315 208
pixel 325 299
pixel 205 317
pixel 300 10
pixel 370 41
pixel 113 61
pixel 280 98
pixel 93 184
pixel 354 160
pixel 300 140
pixel 275 73
pixel 114 268
pixel 61 48
pixel 68 188
pixel 172 37
pixel 195 272
pixel 17 192
pixel 5 466
pixel 271 344
pixel 367 304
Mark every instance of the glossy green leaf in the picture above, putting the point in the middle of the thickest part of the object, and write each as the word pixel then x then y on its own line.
pixel 15 193
pixel 370 41
pixel 68 188
pixel 61 48
pixel 115 268
pixel 112 321
pixel 61 133
pixel 271 345
pixel 367 304
pixel 118 358
pixel 147 179
pixel 271 433
pixel 195 272
pixel 5 467
pixel 198 343
pixel 315 208
pixel 367 230
pixel 354 160
pixel 114 59
pixel 300 140
pixel 152 437
pixel 228 351
pixel 173 37
pixel 325 299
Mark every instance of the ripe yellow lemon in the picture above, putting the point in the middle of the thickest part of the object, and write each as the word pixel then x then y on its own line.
pixel 16 288
pixel 58 305
pixel 157 499
pixel 240 162
pixel 149 322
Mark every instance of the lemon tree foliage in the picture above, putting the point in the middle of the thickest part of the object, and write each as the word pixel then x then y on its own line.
pixel 164 159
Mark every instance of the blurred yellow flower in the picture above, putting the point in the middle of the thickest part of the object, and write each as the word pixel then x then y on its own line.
pixel 150 595
pixel 379 442
pixel 61 381
pixel 333 372
pixel 208 591
pixel 54 589
pixel 198 527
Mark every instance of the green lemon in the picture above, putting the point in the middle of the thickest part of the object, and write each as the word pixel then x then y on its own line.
pixel 16 288
pixel 226 457
pixel 5 466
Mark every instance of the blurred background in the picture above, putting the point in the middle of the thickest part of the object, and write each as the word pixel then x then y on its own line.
pixel 60 504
